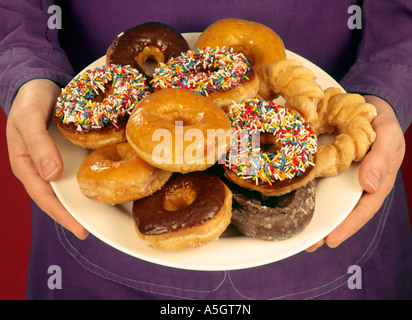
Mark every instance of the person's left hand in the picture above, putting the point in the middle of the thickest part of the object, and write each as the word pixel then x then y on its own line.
pixel 377 173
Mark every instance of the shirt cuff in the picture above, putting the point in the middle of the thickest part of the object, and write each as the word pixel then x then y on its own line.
pixel 390 82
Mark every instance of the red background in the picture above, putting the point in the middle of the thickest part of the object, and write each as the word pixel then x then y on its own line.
pixel 16 227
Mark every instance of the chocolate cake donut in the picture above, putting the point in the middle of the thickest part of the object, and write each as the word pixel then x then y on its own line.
pixel 272 218
pixel 268 217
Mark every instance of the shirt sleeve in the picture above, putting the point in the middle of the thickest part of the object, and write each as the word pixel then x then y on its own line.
pixel 384 61
pixel 29 48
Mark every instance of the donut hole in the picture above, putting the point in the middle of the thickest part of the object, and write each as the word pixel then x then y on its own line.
pixel 179 199
pixel 268 143
pixel 101 95
pixel 180 120
pixel 149 58
pixel 121 153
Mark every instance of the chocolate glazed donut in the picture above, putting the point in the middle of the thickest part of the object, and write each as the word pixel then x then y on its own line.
pixel 151 40
pixel 189 211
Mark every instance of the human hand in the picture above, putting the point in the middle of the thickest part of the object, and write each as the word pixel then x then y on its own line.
pixel 377 173
pixel 34 158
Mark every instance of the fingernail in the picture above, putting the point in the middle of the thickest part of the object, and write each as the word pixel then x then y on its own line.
pixel 373 179
pixel 49 168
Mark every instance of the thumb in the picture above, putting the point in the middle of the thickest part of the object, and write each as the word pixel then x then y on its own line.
pixel 387 152
pixel 35 101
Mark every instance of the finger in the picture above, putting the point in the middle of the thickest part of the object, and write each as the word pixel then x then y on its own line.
pixel 29 116
pixel 316 246
pixel 387 152
pixel 44 152
pixel 46 199
pixel 360 215
pixel 364 210
pixel 384 158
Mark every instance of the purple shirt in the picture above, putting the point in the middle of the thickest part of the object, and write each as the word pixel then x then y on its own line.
pixel 376 59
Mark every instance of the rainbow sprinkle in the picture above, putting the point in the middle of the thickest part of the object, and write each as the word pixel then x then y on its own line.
pixel 76 104
pixel 296 140
pixel 202 71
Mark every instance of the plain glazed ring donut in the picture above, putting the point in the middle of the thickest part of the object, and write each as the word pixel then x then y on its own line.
pixel 92 110
pixel 219 74
pixel 148 41
pixel 260 44
pixel 272 218
pixel 178 130
pixel 285 157
pixel 349 117
pixel 191 210
pixel 115 174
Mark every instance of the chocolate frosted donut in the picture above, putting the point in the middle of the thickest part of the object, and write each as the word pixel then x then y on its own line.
pixel 151 40
pixel 272 218
pixel 189 211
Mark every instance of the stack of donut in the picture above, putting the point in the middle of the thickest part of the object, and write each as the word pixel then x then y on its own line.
pixel 152 141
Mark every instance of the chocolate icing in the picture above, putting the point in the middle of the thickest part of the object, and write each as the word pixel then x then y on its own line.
pixel 126 47
pixel 278 184
pixel 152 218
pixel 107 128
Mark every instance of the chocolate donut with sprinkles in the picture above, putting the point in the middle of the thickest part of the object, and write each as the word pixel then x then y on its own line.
pixel 93 109
pixel 222 75
pixel 273 150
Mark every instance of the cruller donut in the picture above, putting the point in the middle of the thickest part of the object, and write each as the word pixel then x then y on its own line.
pixel 259 43
pixel 115 174
pixel 92 110
pixel 349 117
pixel 295 83
pixel 189 211
pixel 178 130
pixel 149 41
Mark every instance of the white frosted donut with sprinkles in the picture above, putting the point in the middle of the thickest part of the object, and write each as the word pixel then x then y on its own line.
pixel 273 150
pixel 222 75
pixel 92 110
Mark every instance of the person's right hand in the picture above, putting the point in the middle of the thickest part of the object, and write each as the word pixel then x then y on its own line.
pixel 34 158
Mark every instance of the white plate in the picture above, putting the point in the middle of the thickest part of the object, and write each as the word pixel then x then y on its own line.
pixel 335 198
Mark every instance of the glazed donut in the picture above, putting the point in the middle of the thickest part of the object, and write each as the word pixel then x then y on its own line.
pixel 349 117
pixel 295 83
pixel 148 41
pixel 92 110
pixel 259 43
pixel 219 74
pixel 189 211
pixel 272 218
pixel 285 157
pixel 176 117
pixel 115 174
